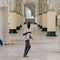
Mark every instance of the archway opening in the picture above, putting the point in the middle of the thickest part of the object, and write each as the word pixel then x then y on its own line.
pixel 29 13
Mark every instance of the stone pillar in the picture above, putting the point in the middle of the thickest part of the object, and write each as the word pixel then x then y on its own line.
pixel 3 21
pixel 18 22
pixel 12 24
pixel 18 14
pixel 44 22
pixel 44 15
pixel 40 14
pixel 36 14
pixel 22 18
pixel 41 20
pixel 51 18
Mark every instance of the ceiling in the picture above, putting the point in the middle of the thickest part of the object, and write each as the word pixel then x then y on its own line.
pixel 31 1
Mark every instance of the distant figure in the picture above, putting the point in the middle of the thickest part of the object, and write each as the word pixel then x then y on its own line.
pixel 27 35
pixel 1 42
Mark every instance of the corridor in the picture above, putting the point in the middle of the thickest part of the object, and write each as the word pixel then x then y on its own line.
pixel 43 47
pixel 44 16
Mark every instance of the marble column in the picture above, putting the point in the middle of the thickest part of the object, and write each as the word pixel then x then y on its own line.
pixel 40 14
pixel 44 22
pixel 22 14
pixel 12 24
pixel 18 14
pixel 51 18
pixel 44 15
pixel 3 21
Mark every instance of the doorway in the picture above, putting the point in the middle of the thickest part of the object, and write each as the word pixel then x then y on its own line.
pixel 29 13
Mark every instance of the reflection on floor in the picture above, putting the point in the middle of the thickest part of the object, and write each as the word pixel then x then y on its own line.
pixel 43 47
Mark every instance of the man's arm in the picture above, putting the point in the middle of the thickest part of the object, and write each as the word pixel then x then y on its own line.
pixel 26 33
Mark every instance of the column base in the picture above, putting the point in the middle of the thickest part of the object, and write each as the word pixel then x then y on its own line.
pixel 18 27
pixel 12 31
pixel 51 33
pixel 39 26
pixel 44 29
pixel 35 23
pixel 24 22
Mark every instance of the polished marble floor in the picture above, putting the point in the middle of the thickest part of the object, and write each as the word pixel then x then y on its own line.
pixel 42 48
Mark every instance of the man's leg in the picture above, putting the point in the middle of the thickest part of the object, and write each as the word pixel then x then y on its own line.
pixel 28 47
pixel 25 48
